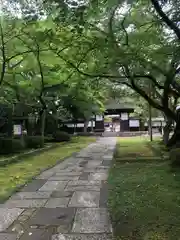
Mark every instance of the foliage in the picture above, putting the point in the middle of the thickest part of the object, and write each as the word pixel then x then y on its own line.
pixel 141 109
pixel 34 141
pixel 11 145
pixel 60 136
pixel 35 74
pixel 136 50
pixel 72 56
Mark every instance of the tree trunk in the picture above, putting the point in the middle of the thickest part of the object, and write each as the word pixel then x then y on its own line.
pixel 55 117
pixel 175 139
pixel 86 122
pixel 10 123
pixel 166 131
pixel 43 122
pixel 150 123
pixel 92 128
pixel 75 128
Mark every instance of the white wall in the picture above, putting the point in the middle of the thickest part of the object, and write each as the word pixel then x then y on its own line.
pixel 80 124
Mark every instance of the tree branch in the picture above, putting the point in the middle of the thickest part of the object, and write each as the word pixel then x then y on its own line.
pixel 153 103
pixel 87 74
pixel 110 25
pixel 3 55
pixel 16 64
pixel 165 18
pixel 125 31
pixel 42 77
pixel 25 52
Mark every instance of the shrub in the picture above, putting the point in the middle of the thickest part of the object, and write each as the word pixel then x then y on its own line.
pixel 61 136
pixel 85 134
pixel 48 139
pixel 11 145
pixel 175 156
pixel 34 141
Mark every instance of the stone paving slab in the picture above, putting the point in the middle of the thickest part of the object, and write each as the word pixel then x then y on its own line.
pixel 102 168
pixel 98 176
pixel 63 178
pixel 54 217
pixel 19 228
pixel 69 174
pixel 25 203
pixel 84 176
pixel 76 169
pixel 93 163
pixel 8 216
pixel 53 185
pixel 85 199
pixel 84 183
pixel 66 202
pixel 38 234
pixel 33 234
pixel 103 195
pixel 8 236
pixel 34 185
pixel 92 220
pixel 57 202
pixel 31 195
pixel 82 237
pixel 83 163
pixel 61 194
pixel 82 188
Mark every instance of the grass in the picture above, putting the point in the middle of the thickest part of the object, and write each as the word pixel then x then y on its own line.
pixel 133 147
pixel 20 173
pixel 144 197
pixel 158 147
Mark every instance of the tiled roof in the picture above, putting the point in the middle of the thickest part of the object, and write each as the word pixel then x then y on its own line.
pixel 117 104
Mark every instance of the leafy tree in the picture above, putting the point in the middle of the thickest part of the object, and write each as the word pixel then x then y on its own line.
pixel 36 74
pixel 136 50
pixel 120 42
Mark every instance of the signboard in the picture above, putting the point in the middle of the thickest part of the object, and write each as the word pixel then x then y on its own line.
pixel 134 123
pixel 99 118
pixel 124 116
pixel 17 129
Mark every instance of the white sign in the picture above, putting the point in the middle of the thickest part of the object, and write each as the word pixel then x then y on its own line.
pixel 124 116
pixel 17 129
pixel 134 123
pixel 99 118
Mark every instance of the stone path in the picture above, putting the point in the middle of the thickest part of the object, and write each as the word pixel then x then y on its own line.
pixel 66 202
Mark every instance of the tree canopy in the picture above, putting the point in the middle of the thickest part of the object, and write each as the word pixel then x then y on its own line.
pixel 72 53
